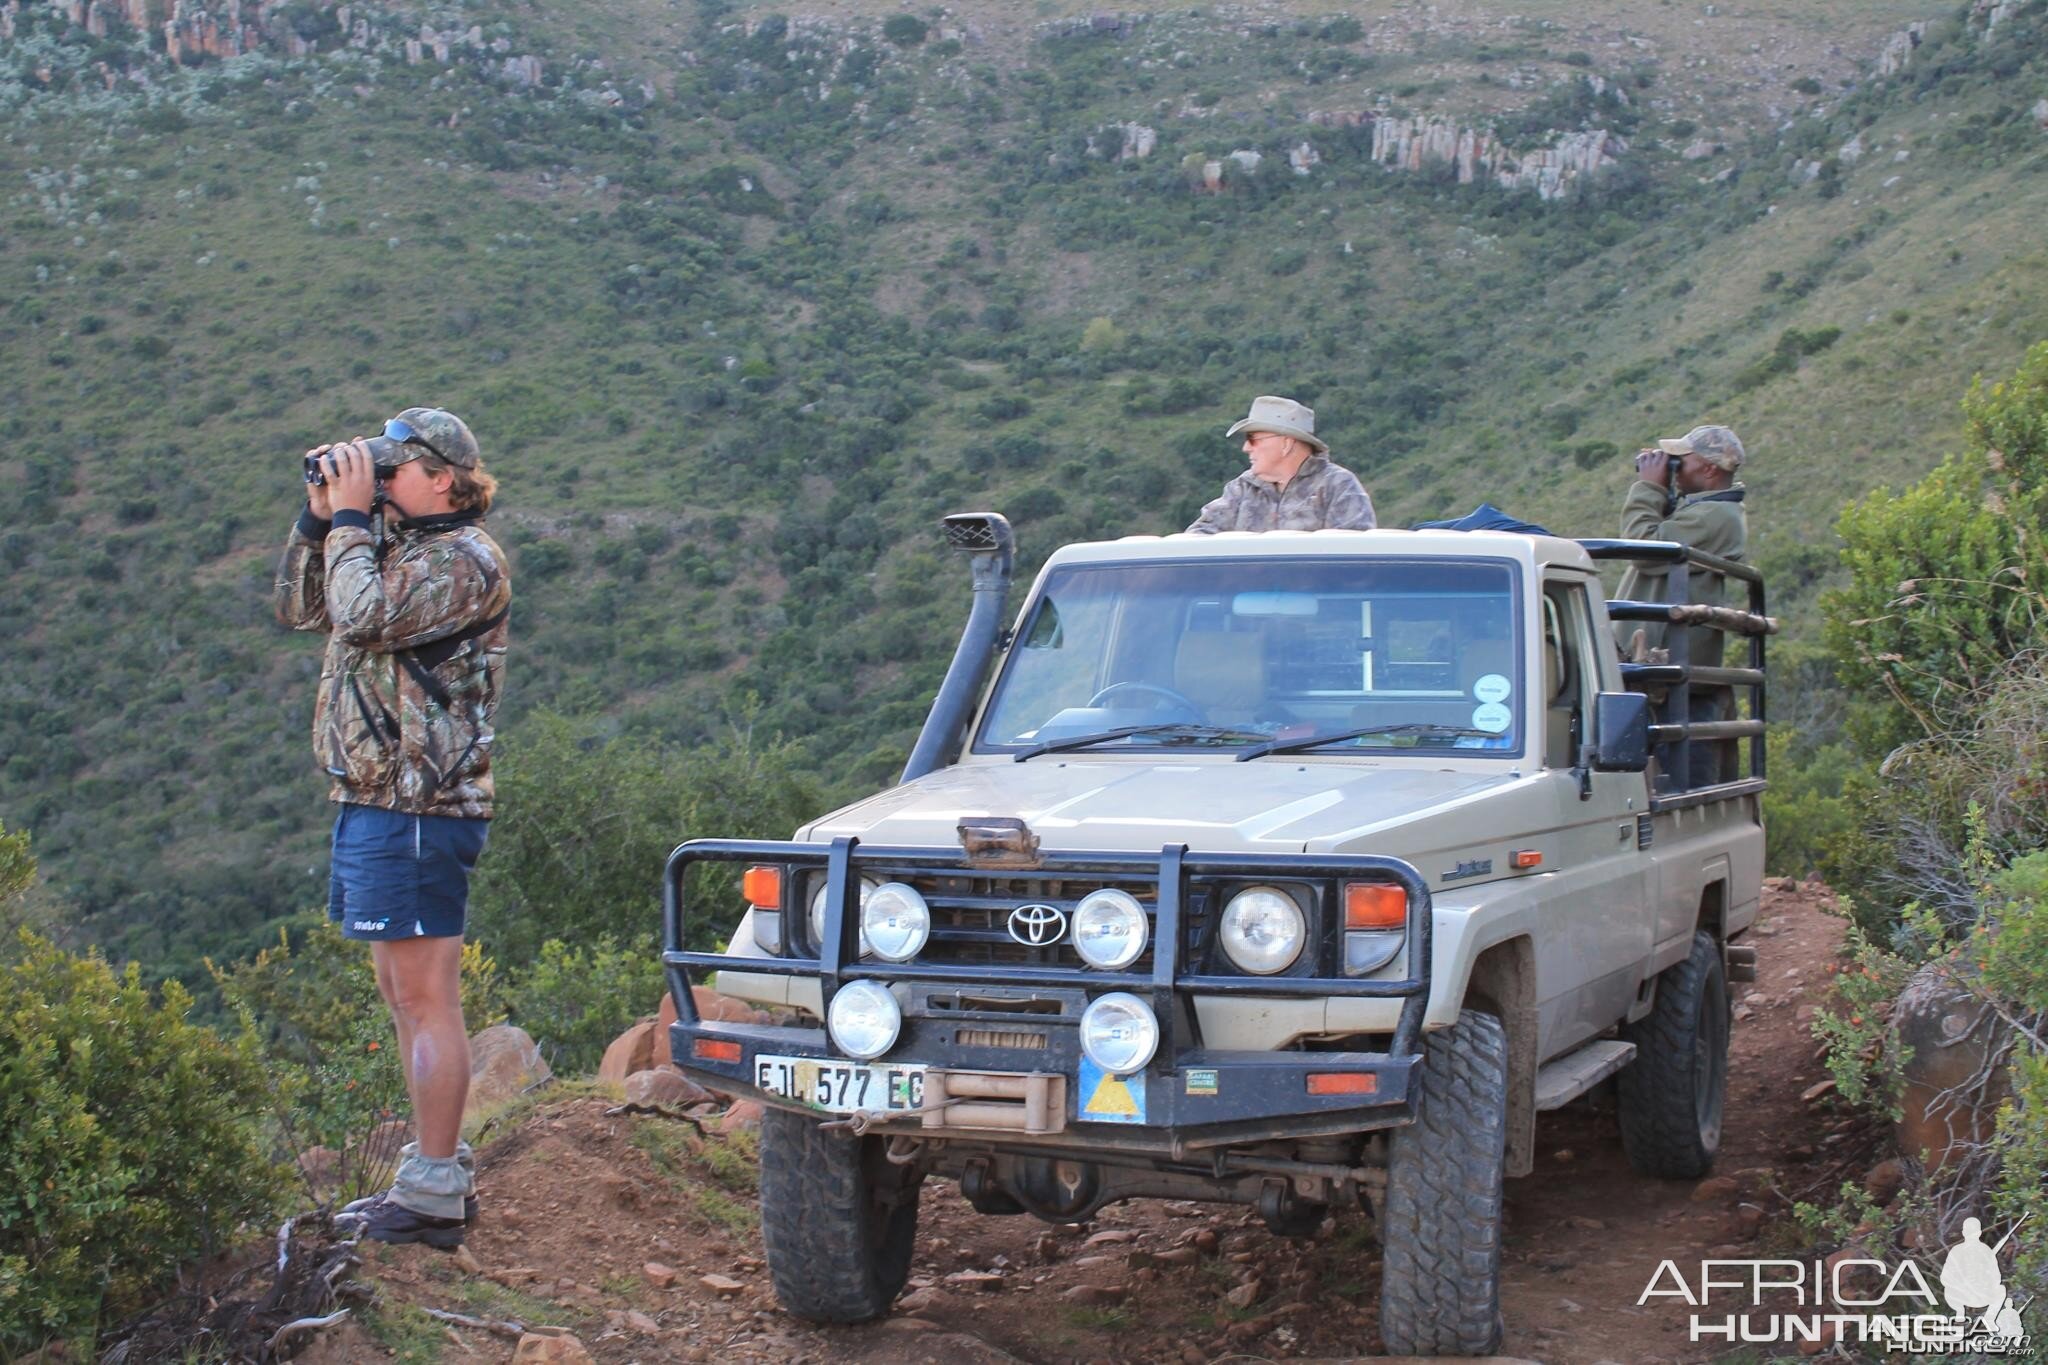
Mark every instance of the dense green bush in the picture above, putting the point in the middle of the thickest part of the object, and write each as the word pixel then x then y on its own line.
pixel 574 1001
pixel 587 819
pixel 128 1142
pixel 1945 577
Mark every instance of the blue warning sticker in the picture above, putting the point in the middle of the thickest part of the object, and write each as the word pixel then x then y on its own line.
pixel 1103 1098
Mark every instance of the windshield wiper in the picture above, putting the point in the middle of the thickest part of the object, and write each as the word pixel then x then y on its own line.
pixel 1170 731
pixel 1406 727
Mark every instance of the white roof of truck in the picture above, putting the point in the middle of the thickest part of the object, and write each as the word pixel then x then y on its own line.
pixel 1532 551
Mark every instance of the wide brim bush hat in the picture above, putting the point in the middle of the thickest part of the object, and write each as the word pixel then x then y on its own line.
pixel 1717 445
pixel 1282 416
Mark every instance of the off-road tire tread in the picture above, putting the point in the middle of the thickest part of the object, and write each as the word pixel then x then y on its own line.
pixel 1659 1123
pixel 1440 1286
pixel 834 1255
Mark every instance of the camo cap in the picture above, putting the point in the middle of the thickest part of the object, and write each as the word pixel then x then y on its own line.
pixel 1717 445
pixel 448 434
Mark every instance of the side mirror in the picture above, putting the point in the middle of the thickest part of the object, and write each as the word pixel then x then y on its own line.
pixel 1621 732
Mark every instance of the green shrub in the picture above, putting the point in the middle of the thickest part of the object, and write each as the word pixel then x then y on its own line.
pixel 587 819
pixel 1944 576
pixel 574 1001
pixel 904 30
pixel 128 1138
pixel 1806 813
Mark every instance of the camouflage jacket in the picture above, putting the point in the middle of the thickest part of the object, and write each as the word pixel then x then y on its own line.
pixel 1320 496
pixel 399 722
pixel 1714 522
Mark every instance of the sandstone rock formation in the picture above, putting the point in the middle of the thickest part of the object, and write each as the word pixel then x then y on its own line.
pixel 504 1062
pixel 1898 49
pixel 632 1051
pixel 665 1086
pixel 1957 1075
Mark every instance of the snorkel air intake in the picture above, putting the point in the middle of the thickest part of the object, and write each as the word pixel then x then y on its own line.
pixel 986 537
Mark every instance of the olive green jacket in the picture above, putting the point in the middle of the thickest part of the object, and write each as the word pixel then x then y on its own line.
pixel 1713 522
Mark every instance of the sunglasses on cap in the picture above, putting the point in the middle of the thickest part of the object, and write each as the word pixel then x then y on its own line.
pixel 403 433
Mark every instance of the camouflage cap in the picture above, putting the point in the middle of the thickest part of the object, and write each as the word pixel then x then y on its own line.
pixel 1717 445
pixel 448 434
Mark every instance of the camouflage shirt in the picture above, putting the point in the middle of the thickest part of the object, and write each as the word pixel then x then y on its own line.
pixel 378 729
pixel 1320 496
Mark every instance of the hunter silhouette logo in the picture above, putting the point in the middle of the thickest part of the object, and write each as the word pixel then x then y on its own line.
pixel 1784 1301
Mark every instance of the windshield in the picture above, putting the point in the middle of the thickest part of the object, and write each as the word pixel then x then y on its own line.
pixel 1389 655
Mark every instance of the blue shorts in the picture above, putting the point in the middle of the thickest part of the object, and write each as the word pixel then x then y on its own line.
pixel 402 876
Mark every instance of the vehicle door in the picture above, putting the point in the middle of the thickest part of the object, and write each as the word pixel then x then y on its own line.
pixel 1599 916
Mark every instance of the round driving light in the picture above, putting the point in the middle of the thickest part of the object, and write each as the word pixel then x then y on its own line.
pixel 1109 929
pixel 1263 930
pixel 867 888
pixel 864 1019
pixel 1119 1033
pixel 896 921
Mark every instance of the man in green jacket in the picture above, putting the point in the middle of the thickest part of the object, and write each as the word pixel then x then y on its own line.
pixel 1685 490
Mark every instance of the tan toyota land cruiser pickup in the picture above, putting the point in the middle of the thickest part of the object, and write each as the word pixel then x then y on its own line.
pixel 1293 870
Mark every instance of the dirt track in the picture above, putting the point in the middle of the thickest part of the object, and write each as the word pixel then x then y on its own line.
pixel 576 1204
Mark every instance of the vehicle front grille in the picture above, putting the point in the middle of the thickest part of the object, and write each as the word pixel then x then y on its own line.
pixel 971 915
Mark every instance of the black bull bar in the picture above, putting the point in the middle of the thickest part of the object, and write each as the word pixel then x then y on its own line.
pixel 1249 1095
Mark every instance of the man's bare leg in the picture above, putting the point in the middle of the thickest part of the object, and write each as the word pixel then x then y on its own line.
pixel 424 977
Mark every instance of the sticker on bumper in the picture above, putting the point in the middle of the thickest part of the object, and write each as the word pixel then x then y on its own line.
pixel 1110 1099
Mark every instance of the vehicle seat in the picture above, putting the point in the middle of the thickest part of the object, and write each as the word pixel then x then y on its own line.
pixel 1224 673
pixel 1559 702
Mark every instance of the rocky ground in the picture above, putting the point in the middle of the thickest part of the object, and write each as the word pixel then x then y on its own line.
pixel 638 1235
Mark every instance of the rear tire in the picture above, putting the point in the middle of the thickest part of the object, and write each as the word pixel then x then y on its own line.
pixel 838 1219
pixel 1671 1095
pixel 1440 1290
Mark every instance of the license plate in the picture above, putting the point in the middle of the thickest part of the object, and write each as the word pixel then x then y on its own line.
pixel 842 1087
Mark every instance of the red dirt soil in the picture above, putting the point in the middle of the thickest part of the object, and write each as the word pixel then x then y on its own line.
pixel 577 1202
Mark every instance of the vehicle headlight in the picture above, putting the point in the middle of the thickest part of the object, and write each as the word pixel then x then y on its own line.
pixel 1263 930
pixel 1109 929
pixel 1119 1033
pixel 867 888
pixel 896 921
pixel 864 1019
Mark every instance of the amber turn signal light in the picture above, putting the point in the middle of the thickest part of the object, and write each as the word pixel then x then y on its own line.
pixel 1374 905
pixel 1342 1083
pixel 762 887
pixel 715 1052
pixel 1525 857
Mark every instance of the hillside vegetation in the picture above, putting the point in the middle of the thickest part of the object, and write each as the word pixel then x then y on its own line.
pixel 740 304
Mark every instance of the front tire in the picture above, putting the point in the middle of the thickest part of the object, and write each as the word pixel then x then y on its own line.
pixel 1440 1290
pixel 1671 1095
pixel 838 1220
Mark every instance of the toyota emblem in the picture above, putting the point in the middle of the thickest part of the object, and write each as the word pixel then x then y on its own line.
pixel 1034 926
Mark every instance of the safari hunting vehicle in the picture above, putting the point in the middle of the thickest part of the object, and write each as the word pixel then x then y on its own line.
pixel 1297 871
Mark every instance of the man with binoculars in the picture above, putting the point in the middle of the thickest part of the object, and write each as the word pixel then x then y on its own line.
pixel 415 619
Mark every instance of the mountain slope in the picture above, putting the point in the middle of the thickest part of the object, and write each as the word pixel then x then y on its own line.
pixel 740 305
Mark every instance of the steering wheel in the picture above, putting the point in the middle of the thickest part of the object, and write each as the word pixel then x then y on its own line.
pixel 1174 701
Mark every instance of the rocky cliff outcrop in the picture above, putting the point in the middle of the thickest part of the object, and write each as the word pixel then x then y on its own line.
pixel 1898 49
pixel 196 30
pixel 1410 144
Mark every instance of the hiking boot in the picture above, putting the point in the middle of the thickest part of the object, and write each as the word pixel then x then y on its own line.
pixel 360 1208
pixel 392 1222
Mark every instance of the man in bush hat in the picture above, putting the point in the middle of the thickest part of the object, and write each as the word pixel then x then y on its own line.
pixel 416 632
pixel 1292 484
